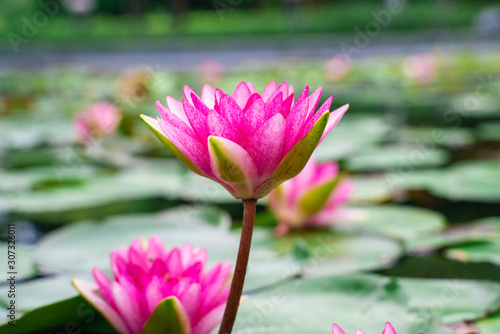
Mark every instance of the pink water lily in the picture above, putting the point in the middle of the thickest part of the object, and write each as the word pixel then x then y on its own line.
pixel 314 198
pixel 96 121
pixel 145 274
pixel 248 142
pixel 388 329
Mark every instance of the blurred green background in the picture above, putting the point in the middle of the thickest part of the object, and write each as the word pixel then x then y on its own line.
pixel 421 141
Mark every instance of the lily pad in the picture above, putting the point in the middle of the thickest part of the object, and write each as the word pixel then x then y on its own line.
pixel 397 156
pixel 448 137
pixel 78 248
pixel 127 191
pixel 327 252
pixel 366 301
pixel 345 139
pixel 470 181
pixel 24 266
pixel 476 252
pixel 490 325
pixel 489 131
pixel 483 230
pixel 370 189
pixel 399 222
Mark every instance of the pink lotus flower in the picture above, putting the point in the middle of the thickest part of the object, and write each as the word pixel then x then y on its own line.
pixel 145 274
pixel 311 199
pixel 337 67
pixel 388 329
pixel 421 68
pixel 247 142
pixel 96 121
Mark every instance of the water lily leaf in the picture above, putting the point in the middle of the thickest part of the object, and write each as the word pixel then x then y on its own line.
pixel 399 222
pixel 476 252
pixel 345 139
pixel 483 230
pixel 24 265
pixel 490 325
pixel 393 157
pixel 128 191
pixel 448 137
pixel 366 301
pixel 50 303
pixel 328 252
pixel 76 249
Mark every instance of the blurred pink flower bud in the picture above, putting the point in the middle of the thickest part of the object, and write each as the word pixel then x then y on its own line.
pixel 211 71
pixel 421 68
pixel 337 67
pixel 96 121
pixel 145 274
pixel 311 199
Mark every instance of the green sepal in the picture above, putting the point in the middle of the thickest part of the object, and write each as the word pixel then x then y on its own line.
pixel 168 317
pixel 293 163
pixel 316 198
pixel 154 126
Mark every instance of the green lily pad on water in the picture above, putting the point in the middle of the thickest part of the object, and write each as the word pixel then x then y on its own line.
pixel 448 137
pixel 398 222
pixel 325 252
pixel 476 252
pixel 367 302
pixel 483 230
pixel 489 131
pixel 388 158
pixel 346 139
pixel 23 265
pixel 79 247
pixel 127 191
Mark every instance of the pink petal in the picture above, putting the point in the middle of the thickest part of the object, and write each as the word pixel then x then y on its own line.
pixel 155 293
pixel 388 329
pixel 176 108
pixel 91 293
pixel 209 321
pixel 174 263
pixel 156 249
pixel 190 299
pixel 188 145
pixel 173 119
pixel 283 89
pixel 313 102
pixel 198 122
pixel 253 119
pixel 198 104
pixel 303 96
pixel 187 93
pixel 241 94
pixel 208 96
pixel 275 106
pixel 230 110
pixel 287 105
pixel 270 88
pixel 251 87
pixel 359 331
pixel 337 330
pixel 295 124
pixel 220 127
pixel 129 309
pixel 266 145
pixel 335 117
pixel 104 283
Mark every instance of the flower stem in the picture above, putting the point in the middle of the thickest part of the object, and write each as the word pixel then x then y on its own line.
pixel 233 301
